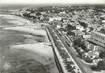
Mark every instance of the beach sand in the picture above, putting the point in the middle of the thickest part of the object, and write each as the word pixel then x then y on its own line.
pixel 28 38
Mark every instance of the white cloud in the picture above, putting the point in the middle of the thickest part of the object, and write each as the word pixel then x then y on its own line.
pixel 52 1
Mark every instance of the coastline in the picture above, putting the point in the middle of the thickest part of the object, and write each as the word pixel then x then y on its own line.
pixel 20 24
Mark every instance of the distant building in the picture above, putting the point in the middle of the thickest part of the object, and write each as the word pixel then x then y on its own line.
pixel 55 18
pixel 102 17
pixel 97 38
pixel 79 27
pixel 86 36
pixel 92 54
pixel 95 44
pixel 103 21
pixel 78 32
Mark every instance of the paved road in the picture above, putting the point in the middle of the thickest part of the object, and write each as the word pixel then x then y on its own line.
pixel 83 67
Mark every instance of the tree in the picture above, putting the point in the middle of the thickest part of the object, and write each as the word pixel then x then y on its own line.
pixel 69 27
pixel 101 65
pixel 102 54
pixel 38 13
pixel 80 42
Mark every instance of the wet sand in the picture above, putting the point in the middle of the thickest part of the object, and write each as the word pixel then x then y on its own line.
pixel 25 42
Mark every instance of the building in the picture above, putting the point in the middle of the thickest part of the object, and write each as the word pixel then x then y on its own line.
pixel 55 18
pixel 78 32
pixel 95 45
pixel 97 38
pixel 79 27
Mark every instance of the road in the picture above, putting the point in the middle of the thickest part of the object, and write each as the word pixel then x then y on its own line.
pixel 70 51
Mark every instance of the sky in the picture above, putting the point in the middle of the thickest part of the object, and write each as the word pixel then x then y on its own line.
pixel 52 1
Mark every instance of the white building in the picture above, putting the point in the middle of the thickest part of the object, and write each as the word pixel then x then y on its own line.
pixel 55 18
pixel 80 28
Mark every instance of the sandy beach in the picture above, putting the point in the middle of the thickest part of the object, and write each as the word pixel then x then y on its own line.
pixel 27 37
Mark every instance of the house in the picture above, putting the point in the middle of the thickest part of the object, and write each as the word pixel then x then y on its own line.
pixel 55 18
pixel 78 32
pixel 79 27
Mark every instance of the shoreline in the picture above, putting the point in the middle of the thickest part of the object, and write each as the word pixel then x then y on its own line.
pixel 42 46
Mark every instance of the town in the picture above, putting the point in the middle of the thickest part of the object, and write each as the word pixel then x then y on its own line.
pixel 76 33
